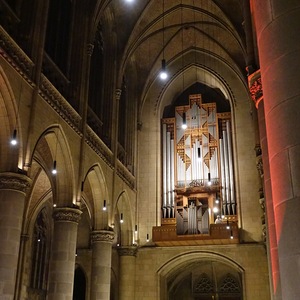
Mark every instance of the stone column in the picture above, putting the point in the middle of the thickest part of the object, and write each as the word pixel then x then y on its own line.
pixel 256 91
pixel 13 188
pixel 277 29
pixel 62 261
pixel 127 272
pixel 101 264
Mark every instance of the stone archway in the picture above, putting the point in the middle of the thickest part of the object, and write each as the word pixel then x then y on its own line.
pixel 201 276
pixel 79 289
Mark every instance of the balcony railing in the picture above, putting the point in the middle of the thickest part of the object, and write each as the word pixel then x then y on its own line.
pixel 219 234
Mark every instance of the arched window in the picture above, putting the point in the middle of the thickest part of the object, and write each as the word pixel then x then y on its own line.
pixel 203 286
pixel 229 288
pixel 40 254
pixel 58 32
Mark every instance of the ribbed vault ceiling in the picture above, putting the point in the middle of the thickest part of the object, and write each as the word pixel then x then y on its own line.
pixel 189 34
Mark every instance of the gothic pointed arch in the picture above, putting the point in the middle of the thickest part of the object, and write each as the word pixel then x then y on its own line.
pixel 123 220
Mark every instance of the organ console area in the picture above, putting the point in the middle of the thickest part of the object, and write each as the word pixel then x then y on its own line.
pixel 197 176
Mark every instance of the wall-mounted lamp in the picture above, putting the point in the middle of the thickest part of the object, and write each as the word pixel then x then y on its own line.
pixel 147 237
pixel 121 219
pixel 136 229
pixel 104 205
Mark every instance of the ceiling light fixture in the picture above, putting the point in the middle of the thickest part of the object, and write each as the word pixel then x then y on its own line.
pixel 163 73
pixel 54 171
pixel 13 140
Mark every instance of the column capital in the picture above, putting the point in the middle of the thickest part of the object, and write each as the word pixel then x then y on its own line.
pixel 66 214
pixel 102 236
pixel 127 251
pixel 255 87
pixel 15 181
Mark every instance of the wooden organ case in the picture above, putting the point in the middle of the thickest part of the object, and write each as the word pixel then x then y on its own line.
pixel 198 172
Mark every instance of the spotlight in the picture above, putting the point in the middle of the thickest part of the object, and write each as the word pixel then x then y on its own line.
pixel 227 225
pixel 54 171
pixel 215 209
pixel 163 73
pixel 13 140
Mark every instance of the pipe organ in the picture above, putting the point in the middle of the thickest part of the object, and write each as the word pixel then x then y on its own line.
pixel 197 166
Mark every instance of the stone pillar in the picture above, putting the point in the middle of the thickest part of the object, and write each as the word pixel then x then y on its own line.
pixel 277 29
pixel 62 261
pixel 256 91
pixel 101 264
pixel 127 272
pixel 13 188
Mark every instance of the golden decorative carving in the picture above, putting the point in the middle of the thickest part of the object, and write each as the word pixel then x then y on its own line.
pixel 90 49
pixel 14 54
pixel 102 236
pixel 14 181
pixel 255 87
pixel 127 251
pixel 67 214
pixel 118 94
pixel 59 104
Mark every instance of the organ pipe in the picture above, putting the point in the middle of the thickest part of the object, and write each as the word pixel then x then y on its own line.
pixel 226 167
pixel 164 165
pixel 168 169
pixel 222 167
pixel 230 162
pixel 172 172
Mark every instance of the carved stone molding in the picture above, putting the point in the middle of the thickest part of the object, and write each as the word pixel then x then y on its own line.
pixel 255 87
pixel 67 214
pixel 14 181
pixel 10 50
pixel 127 251
pixel 259 166
pixel 53 97
pixel 102 236
pixel 118 94
pixel 90 49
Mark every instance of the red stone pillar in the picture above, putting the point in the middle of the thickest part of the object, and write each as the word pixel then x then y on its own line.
pixel 277 26
pixel 256 91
